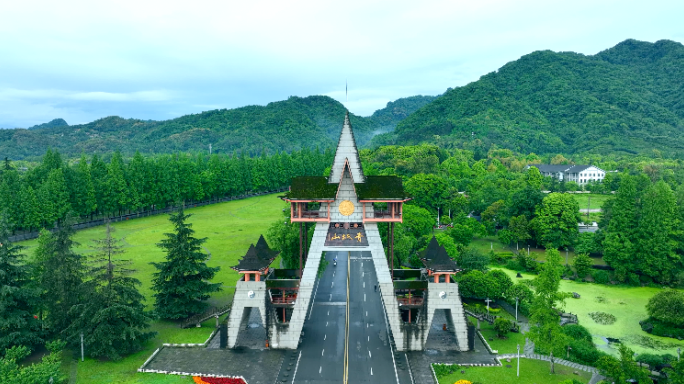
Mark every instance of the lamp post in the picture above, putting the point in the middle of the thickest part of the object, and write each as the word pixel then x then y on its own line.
pixel 518 360
pixel 566 255
pixel 679 353
pixel 568 354
pixel 488 301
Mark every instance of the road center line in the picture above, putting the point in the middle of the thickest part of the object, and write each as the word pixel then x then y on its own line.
pixel 325 336
pixel 369 354
pixel 323 351
pixel 326 323
pixel 321 368
pixel 364 297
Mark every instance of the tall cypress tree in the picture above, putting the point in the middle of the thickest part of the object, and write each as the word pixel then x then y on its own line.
pixel 60 273
pixel 112 315
pixel 618 244
pixel 17 300
pixel 182 281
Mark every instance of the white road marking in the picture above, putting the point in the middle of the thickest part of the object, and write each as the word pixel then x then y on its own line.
pixel 326 323
pixel 362 273
pixel 322 352
pixel 328 313
pixel 330 297
pixel 366 325
pixel 369 354
pixel 369 339
pixel 364 297
pixel 364 284
pixel 325 336
pixel 366 313
pixel 362 264
pixel 332 285
pixel 321 368
pixel 371 371
pixel 296 366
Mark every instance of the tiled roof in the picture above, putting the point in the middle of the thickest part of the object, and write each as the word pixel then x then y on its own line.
pixel 436 258
pixel 381 187
pixel 257 258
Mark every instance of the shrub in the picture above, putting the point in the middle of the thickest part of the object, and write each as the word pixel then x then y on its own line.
pixel 499 282
pixel 582 263
pixel 501 258
pixel 601 277
pixel 667 306
pixel 502 326
pixel 655 361
pixel 514 265
pixel 577 332
pixel 585 352
pixel 658 328
pixel 442 370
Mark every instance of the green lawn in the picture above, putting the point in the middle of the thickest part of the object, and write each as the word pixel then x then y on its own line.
pixel 485 244
pixel 627 304
pixel 590 200
pixel 229 227
pixel 506 345
pixel 531 371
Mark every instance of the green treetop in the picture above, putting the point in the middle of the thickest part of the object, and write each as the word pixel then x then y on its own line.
pixel 182 282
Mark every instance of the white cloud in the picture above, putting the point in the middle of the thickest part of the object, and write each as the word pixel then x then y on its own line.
pixel 154 59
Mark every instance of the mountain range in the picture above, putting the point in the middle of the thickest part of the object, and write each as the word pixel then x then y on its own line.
pixel 626 99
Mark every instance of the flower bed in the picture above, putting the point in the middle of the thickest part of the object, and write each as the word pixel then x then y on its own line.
pixel 218 380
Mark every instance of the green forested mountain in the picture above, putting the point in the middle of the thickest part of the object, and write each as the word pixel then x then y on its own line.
pixel 628 98
pixel 313 121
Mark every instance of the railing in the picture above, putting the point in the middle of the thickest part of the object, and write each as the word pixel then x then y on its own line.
pixel 382 215
pixel 410 301
pixel 284 300
pixel 208 314
pixel 313 215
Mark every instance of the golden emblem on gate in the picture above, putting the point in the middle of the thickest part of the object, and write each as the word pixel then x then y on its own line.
pixel 346 208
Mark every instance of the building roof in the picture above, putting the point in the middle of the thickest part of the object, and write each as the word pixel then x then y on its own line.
pixel 346 151
pixel 257 258
pixel 264 251
pixel 381 188
pixel 567 168
pixel 311 188
pixel 436 259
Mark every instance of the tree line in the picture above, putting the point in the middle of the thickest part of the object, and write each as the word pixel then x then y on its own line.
pixel 45 193
pixel 62 298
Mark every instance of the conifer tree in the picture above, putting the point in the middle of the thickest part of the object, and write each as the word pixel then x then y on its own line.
pixel 182 281
pixel 59 273
pixel 112 315
pixel 17 299
pixel 546 331
pixel 618 245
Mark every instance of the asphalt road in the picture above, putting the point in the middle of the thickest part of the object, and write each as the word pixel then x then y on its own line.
pixel 322 352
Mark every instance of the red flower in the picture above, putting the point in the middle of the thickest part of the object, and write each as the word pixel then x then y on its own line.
pixel 35 317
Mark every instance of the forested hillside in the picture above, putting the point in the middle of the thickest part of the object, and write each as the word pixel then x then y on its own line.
pixel 628 98
pixel 288 125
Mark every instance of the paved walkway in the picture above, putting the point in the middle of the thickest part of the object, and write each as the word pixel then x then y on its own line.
pixel 257 367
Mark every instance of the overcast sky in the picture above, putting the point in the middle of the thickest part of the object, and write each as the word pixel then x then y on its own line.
pixel 83 60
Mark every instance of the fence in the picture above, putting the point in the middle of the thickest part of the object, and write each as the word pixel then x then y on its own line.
pixel 137 215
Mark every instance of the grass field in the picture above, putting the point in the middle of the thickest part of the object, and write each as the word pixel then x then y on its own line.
pixel 229 228
pixel 590 200
pixel 531 371
pixel 627 304
pixel 485 244
pixel 507 345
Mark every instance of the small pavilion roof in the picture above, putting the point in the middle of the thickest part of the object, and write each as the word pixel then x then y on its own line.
pixel 257 258
pixel 436 259
pixel 264 251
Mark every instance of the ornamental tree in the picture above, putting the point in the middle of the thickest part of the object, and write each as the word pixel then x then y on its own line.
pixel 182 282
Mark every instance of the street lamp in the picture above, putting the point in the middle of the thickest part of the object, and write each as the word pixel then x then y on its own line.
pixel 566 255
pixel 568 354
pixel 488 301
pixel 518 360
pixel 516 309
pixel 679 354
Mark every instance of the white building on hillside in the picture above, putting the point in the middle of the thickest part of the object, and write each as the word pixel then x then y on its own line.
pixel 581 174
